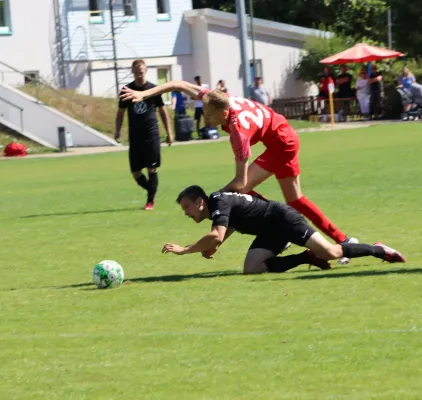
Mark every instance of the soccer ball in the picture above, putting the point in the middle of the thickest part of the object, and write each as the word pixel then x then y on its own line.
pixel 108 274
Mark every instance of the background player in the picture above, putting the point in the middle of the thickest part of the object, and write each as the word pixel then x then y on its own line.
pixel 274 224
pixel 249 122
pixel 144 135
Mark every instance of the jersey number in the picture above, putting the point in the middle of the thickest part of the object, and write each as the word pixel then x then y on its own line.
pixel 247 197
pixel 257 118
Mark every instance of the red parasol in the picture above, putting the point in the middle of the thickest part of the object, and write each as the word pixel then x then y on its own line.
pixel 361 53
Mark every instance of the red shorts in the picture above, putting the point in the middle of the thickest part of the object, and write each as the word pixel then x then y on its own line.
pixel 282 154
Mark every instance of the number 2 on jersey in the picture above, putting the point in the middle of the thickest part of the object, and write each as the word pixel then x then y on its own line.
pixel 257 118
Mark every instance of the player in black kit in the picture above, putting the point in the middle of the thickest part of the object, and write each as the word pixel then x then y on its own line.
pixel 274 224
pixel 144 135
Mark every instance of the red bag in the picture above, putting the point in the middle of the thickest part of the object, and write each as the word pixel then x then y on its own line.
pixel 15 150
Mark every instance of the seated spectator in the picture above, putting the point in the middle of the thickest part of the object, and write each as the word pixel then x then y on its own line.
pixel 221 86
pixel 375 80
pixel 406 80
pixel 178 103
pixel 363 92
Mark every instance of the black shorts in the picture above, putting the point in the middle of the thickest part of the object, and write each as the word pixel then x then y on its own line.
pixel 146 154
pixel 198 112
pixel 285 225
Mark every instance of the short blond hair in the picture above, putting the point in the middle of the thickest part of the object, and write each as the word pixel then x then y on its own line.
pixel 217 99
pixel 138 61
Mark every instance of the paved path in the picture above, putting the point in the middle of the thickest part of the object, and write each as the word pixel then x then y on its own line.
pixel 78 151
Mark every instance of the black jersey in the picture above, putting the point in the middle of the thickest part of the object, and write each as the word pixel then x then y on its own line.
pixel 241 212
pixel 143 124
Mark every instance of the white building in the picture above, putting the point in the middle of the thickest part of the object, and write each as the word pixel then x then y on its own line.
pixel 69 43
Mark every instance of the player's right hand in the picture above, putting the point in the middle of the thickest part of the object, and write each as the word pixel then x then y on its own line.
pixel 117 137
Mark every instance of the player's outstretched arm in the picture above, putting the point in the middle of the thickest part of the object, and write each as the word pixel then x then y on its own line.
pixel 240 181
pixel 180 86
pixel 210 241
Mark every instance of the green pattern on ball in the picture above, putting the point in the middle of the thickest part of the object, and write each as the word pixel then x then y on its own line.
pixel 108 274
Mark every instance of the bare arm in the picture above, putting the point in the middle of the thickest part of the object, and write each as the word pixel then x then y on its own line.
pixel 181 86
pixel 208 242
pixel 119 122
pixel 166 121
pixel 240 180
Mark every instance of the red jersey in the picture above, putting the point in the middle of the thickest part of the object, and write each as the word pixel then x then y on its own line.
pixel 250 122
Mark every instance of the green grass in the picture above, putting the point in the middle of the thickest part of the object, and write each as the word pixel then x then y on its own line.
pixel 189 328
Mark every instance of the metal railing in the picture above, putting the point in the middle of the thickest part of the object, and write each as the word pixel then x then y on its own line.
pixel 17 107
pixel 39 82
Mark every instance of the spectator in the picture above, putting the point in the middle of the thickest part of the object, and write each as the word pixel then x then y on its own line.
pixel 198 105
pixel 323 83
pixel 375 80
pixel 178 103
pixel 221 86
pixel 363 92
pixel 259 93
pixel 406 80
pixel 344 84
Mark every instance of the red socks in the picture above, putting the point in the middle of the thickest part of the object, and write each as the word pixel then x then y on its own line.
pixel 314 214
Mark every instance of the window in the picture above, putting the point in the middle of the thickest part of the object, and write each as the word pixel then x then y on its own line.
pixel 162 77
pixel 129 8
pixel 96 11
pixel 5 24
pixel 163 10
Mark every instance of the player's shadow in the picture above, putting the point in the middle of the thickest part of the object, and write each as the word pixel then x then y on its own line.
pixel 357 274
pixel 161 278
pixel 58 214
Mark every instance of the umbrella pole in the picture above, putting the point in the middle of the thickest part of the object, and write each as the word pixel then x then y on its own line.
pixel 331 88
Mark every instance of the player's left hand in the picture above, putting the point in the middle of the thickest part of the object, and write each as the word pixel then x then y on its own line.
pixel 129 94
pixel 173 248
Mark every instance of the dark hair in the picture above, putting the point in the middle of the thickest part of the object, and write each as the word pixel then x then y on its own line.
pixel 197 78
pixel 193 193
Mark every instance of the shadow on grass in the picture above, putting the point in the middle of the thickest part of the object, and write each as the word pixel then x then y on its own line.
pixel 357 274
pixel 162 278
pixel 58 214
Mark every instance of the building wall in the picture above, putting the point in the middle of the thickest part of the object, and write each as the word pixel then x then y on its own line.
pixel 30 45
pixel 145 36
pixel 278 57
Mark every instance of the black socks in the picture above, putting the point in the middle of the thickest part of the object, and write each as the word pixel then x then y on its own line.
pixel 152 186
pixel 142 181
pixel 283 264
pixel 355 250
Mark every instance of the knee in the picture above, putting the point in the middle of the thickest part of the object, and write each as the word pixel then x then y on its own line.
pixel 136 174
pixel 252 268
pixel 331 252
pixel 152 171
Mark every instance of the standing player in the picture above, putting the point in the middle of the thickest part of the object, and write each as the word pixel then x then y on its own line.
pixel 274 224
pixel 144 135
pixel 248 123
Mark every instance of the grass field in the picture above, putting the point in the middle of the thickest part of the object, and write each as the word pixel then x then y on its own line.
pixel 190 328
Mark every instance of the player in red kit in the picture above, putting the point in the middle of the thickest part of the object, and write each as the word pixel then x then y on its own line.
pixel 248 123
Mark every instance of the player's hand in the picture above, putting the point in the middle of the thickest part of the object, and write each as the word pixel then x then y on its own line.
pixel 208 254
pixel 169 139
pixel 173 248
pixel 129 94
pixel 117 137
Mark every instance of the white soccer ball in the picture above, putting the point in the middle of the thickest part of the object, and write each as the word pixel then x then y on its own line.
pixel 108 274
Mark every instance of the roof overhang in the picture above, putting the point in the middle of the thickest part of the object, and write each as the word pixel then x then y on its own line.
pixel 261 26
